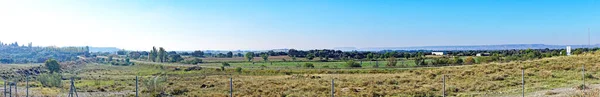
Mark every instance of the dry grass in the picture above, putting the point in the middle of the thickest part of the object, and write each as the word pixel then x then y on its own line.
pixel 473 80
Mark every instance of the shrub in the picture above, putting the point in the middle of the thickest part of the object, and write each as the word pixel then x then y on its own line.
pixel 263 66
pixel 156 85
pixel 469 60
pixel 238 69
pixel 353 64
pixel 50 80
pixel 192 61
pixel 222 68
pixel 309 65
pixel 391 61
pixel 225 64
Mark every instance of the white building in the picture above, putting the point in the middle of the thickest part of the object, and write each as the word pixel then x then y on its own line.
pixel 437 53
pixel 568 50
pixel 482 54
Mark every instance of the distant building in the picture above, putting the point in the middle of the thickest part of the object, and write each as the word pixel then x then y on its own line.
pixel 437 53
pixel 568 50
pixel 483 54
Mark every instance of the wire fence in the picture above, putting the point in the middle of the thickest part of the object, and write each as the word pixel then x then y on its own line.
pixel 20 88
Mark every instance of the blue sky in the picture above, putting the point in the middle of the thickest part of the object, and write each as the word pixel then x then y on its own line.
pixel 301 24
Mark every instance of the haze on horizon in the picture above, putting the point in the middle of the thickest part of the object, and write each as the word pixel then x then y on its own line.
pixel 300 24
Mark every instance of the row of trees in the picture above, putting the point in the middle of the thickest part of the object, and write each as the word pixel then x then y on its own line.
pixel 159 55
pixel 21 54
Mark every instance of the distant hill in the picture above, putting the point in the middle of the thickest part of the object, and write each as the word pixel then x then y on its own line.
pixel 104 49
pixel 472 47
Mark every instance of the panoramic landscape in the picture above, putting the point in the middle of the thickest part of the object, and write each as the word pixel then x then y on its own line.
pixel 299 48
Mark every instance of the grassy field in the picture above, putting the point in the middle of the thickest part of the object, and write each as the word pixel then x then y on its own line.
pixel 284 79
pixel 255 59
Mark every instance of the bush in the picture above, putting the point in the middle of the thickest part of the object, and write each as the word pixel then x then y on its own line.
pixel 192 61
pixel 353 64
pixel 155 85
pixel 225 64
pixel 238 69
pixel 469 60
pixel 391 61
pixel 222 68
pixel 50 80
pixel 309 65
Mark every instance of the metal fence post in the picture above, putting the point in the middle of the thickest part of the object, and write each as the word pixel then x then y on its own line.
pixel 71 88
pixel 231 87
pixel 16 89
pixel 583 78
pixel 4 91
pixel 332 88
pixel 136 86
pixel 9 89
pixel 444 89
pixel 27 85
pixel 523 82
pixel 74 89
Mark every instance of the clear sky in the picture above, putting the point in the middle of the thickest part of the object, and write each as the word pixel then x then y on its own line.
pixel 300 24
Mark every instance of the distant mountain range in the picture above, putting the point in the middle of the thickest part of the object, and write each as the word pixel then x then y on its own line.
pixel 439 48
pixel 468 47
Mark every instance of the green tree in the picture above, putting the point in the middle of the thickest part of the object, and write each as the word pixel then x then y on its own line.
pixel 265 57
pixel 370 56
pixel 162 54
pixel 198 53
pixel 176 58
pixel 152 55
pixel 249 56
pixel 310 56
pixel 230 54
pixel 52 66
